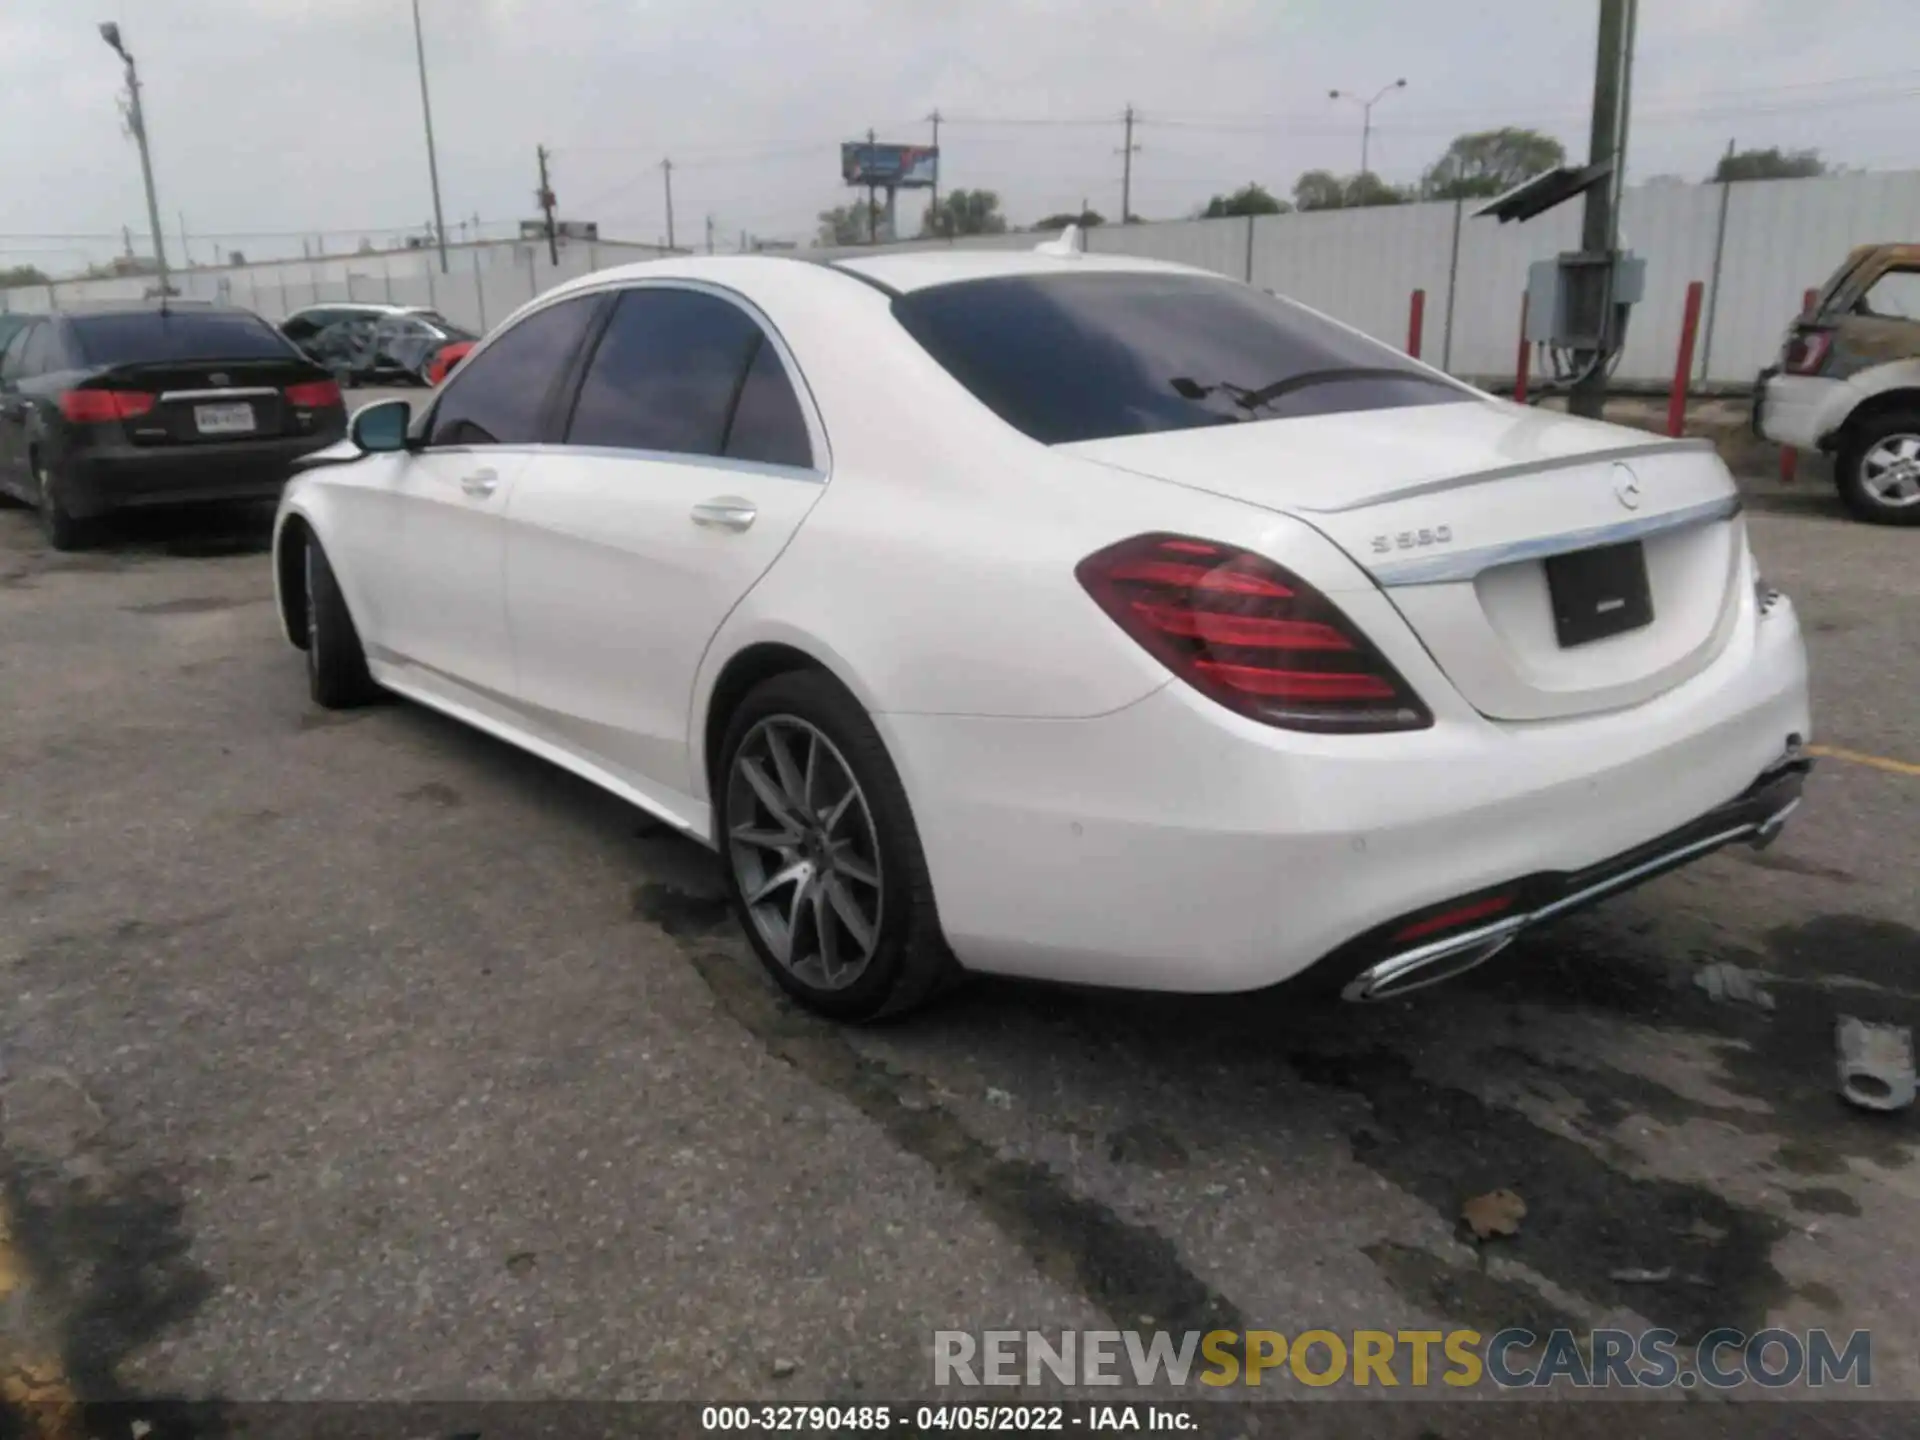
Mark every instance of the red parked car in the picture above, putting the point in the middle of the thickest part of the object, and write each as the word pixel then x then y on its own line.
pixel 446 359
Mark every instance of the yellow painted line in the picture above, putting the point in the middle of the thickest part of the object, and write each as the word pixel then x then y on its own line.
pixel 35 1390
pixel 1857 757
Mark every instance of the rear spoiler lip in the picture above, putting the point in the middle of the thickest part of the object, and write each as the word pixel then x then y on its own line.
pixel 1448 569
pixel 1504 472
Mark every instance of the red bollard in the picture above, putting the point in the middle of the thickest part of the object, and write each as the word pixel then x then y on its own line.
pixel 1790 457
pixel 1520 366
pixel 1683 366
pixel 1416 318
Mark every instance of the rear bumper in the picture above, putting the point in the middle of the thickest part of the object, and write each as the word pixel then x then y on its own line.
pixel 1796 410
pixel 1173 846
pixel 94 482
pixel 1382 966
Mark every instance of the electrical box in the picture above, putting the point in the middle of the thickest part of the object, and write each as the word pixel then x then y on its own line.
pixel 1567 299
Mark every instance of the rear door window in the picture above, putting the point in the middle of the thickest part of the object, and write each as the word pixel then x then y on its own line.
pixel 499 396
pixel 1894 296
pixel 666 373
pixel 1064 358
pixel 147 337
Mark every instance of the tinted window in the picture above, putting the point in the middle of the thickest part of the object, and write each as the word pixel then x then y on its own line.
pixel 499 397
pixel 141 337
pixel 1894 296
pixel 767 423
pixel 42 356
pixel 11 359
pixel 665 373
pixel 1082 357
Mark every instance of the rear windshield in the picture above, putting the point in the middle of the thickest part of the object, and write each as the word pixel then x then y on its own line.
pixel 1087 357
pixel 139 338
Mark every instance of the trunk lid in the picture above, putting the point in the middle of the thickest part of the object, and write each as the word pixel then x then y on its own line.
pixel 1460 514
pixel 208 402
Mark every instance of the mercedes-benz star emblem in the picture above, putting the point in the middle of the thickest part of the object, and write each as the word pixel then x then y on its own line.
pixel 1626 487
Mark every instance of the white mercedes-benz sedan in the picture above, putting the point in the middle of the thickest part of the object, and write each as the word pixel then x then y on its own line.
pixel 1060 615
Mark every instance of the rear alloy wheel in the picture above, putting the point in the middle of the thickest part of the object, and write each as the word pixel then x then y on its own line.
pixel 337 675
pixel 62 530
pixel 822 855
pixel 1880 470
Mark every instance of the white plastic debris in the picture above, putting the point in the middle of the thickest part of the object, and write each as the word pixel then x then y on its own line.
pixel 1876 1063
pixel 1723 980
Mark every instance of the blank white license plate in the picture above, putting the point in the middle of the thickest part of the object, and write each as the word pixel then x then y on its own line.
pixel 223 419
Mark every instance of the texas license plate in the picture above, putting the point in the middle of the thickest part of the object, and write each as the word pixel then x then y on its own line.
pixel 1600 592
pixel 223 419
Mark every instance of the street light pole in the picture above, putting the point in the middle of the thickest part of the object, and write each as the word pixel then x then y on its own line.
pixel 433 163
pixel 1366 114
pixel 137 122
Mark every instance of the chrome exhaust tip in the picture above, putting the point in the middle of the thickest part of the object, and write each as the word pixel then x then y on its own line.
pixel 1429 965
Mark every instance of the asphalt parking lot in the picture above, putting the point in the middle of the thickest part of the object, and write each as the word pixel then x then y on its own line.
pixel 356 1055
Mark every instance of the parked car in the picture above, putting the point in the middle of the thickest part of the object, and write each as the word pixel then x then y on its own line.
pixel 374 344
pixel 447 360
pixel 1848 383
pixel 1081 617
pixel 154 404
pixel 10 324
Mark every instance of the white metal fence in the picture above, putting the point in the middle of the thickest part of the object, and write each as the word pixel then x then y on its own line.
pixel 1756 246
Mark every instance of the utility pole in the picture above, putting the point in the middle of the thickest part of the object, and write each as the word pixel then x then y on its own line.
pixel 1600 227
pixel 666 172
pixel 433 162
pixel 137 122
pixel 186 251
pixel 1366 115
pixel 546 204
pixel 709 234
pixel 873 214
pixel 935 118
pixel 1126 173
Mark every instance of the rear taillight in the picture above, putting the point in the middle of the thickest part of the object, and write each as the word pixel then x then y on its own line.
pixel 313 395
pixel 103 407
pixel 1248 634
pixel 1806 351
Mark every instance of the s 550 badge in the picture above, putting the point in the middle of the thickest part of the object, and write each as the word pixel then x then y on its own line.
pixel 1413 539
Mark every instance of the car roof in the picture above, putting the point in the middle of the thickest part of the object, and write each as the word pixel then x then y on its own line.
pixel 909 270
pixel 367 307
pixel 87 309
pixel 895 273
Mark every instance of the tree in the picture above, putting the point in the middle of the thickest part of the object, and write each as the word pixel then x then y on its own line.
pixel 1086 220
pixel 1770 164
pixel 964 212
pixel 1319 190
pixel 1367 188
pixel 1324 190
pixel 1490 162
pixel 1249 199
pixel 23 275
pixel 845 225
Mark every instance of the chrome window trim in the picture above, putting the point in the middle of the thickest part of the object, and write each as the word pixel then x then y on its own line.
pixel 822 465
pixel 1505 472
pixel 654 457
pixel 1467 564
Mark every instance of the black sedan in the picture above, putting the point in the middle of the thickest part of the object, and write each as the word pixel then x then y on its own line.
pixel 154 404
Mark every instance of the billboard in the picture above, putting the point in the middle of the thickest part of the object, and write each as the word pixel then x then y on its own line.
pixel 890 167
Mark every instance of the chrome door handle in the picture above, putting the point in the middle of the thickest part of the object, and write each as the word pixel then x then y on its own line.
pixel 481 483
pixel 727 513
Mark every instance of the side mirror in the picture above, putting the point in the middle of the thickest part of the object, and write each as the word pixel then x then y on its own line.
pixel 382 427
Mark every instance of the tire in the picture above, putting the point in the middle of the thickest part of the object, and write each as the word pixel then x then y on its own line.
pixel 1879 469
pixel 864 865
pixel 337 675
pixel 62 530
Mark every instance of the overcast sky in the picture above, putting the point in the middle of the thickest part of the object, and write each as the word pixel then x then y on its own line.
pixel 303 116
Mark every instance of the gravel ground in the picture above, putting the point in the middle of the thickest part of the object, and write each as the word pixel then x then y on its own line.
pixel 358 1056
